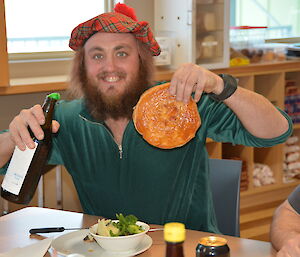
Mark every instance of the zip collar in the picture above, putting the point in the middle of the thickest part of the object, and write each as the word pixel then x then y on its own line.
pixel 86 116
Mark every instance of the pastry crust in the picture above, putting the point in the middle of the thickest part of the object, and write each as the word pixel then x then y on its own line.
pixel 164 122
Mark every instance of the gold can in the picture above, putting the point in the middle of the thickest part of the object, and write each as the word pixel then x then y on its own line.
pixel 212 246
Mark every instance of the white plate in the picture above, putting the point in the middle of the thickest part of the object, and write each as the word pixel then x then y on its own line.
pixel 73 243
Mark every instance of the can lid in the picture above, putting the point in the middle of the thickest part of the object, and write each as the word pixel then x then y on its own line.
pixel 213 241
pixel 55 96
pixel 174 232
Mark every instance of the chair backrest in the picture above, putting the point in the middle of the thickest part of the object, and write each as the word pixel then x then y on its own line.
pixel 225 182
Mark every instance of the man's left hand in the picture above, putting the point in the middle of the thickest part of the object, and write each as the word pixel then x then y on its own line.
pixel 191 78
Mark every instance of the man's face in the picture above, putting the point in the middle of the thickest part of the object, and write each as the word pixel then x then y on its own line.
pixel 114 74
pixel 111 62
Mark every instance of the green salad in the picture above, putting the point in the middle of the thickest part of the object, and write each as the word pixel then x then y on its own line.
pixel 126 225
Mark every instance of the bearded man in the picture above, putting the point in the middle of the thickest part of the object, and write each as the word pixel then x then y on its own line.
pixel 113 168
pixel 99 86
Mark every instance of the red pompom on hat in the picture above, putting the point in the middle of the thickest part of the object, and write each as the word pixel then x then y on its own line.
pixel 126 10
pixel 122 20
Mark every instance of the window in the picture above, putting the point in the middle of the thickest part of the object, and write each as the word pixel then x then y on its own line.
pixel 282 18
pixel 45 26
pixel 38 33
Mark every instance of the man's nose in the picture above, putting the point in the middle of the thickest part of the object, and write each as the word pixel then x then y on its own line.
pixel 110 63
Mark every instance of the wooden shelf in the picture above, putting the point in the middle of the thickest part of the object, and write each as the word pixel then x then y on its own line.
pixel 161 74
pixel 262 68
pixel 49 84
pixel 268 188
pixel 296 126
pixel 33 88
pixel 259 203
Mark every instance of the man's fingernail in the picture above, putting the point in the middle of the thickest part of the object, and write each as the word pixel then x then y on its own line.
pixel 22 148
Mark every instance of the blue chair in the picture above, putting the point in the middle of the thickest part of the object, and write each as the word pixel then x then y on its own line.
pixel 225 182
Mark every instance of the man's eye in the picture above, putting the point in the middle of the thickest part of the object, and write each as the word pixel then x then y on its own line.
pixel 122 54
pixel 98 56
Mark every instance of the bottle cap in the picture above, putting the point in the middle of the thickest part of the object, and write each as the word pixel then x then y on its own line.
pixel 174 232
pixel 55 96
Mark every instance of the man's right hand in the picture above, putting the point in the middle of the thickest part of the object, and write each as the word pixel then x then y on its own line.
pixel 32 118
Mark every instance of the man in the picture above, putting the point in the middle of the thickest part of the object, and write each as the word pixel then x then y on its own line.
pixel 285 229
pixel 114 170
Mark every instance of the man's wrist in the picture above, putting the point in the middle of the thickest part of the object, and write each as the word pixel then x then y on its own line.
pixel 230 86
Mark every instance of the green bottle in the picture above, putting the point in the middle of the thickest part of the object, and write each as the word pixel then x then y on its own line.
pixel 26 167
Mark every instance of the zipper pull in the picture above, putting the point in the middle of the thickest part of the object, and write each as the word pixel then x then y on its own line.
pixel 120 151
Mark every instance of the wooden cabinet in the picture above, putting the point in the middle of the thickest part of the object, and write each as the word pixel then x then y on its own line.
pixel 198 31
pixel 259 203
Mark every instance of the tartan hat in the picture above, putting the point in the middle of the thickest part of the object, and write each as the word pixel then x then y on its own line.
pixel 122 20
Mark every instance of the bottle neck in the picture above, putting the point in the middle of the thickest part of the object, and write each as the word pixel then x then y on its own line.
pixel 174 249
pixel 48 108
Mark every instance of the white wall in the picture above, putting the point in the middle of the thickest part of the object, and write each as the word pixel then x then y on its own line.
pixel 144 10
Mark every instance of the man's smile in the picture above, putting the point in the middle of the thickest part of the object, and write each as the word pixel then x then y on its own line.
pixel 111 79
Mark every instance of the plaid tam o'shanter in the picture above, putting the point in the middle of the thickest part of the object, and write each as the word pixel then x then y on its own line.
pixel 114 22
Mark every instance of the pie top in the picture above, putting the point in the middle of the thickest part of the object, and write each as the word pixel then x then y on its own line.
pixel 164 122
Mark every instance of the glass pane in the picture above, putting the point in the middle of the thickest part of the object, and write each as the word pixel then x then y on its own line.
pixel 209 31
pixel 281 18
pixel 45 26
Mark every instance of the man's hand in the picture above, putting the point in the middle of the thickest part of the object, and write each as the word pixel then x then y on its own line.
pixel 291 247
pixel 32 118
pixel 189 78
pixel 285 232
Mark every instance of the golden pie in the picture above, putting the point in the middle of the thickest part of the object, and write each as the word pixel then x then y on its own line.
pixel 164 122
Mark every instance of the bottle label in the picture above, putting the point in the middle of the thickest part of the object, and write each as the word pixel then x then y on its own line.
pixel 17 170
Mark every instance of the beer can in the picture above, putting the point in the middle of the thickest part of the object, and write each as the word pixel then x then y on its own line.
pixel 212 246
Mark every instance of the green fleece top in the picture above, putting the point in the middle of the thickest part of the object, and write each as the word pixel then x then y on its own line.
pixel 294 199
pixel 154 184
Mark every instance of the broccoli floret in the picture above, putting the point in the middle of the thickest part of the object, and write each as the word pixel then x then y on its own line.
pixel 134 229
pixel 127 225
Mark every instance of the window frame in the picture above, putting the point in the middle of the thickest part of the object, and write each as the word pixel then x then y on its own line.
pixel 233 14
pixel 4 73
pixel 27 61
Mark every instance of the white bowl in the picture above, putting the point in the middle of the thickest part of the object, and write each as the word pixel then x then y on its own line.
pixel 119 243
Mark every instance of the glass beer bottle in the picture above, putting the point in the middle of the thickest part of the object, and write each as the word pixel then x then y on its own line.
pixel 174 235
pixel 26 167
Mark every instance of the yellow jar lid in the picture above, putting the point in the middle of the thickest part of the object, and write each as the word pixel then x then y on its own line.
pixel 212 241
pixel 174 232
